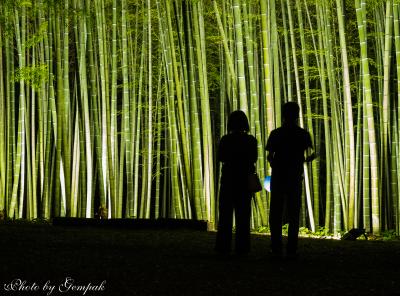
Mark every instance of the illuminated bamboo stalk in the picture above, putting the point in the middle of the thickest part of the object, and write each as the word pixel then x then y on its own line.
pixel 375 200
pixel 197 189
pixel 349 130
pixel 125 146
pixel 339 200
pixel 178 90
pixel 159 131
pixel 288 84
pixel 50 153
pixel 75 168
pixel 43 106
pixel 31 145
pixel 275 62
pixel 10 106
pixel 150 112
pixel 385 125
pixel 326 116
pixel 102 106
pixel 359 157
pixel 88 156
pixel 317 163
pixel 95 117
pixel 20 151
pixel 393 196
pixel 199 36
pixel 243 105
pixel 395 193
pixel 305 58
pixel 366 174
pixel 301 120
pixel 176 207
pixel 131 147
pixel 139 126
pixel 226 47
pixel 59 201
pixel 66 113
pixel 268 93
pixel 116 203
pixel 3 134
pixel 254 111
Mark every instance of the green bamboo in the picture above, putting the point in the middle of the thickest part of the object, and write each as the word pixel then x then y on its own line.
pixel 198 195
pixel 395 193
pixel 89 130
pixel 20 152
pixel 255 115
pixel 267 83
pixel 350 145
pixel 116 203
pixel 3 135
pixel 361 20
pixel 150 112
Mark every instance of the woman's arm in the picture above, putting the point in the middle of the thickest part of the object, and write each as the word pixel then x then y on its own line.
pixel 221 150
pixel 254 151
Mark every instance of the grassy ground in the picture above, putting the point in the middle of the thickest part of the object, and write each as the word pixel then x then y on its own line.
pixel 182 262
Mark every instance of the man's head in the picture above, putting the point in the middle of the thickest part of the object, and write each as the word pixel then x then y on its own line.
pixel 290 112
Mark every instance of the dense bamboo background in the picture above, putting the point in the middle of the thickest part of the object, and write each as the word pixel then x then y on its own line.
pixel 117 106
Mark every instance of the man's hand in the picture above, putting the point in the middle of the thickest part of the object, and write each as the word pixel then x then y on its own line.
pixel 311 157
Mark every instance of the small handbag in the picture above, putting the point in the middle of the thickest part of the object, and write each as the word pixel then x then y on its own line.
pixel 253 183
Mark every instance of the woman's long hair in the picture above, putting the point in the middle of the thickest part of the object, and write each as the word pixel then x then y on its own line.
pixel 238 122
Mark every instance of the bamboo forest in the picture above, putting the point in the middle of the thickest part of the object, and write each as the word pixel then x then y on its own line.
pixel 119 105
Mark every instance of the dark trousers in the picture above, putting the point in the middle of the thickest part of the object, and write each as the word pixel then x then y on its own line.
pixel 285 196
pixel 238 201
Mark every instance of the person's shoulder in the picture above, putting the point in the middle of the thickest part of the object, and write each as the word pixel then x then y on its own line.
pixel 224 138
pixel 305 137
pixel 276 131
pixel 251 138
pixel 302 130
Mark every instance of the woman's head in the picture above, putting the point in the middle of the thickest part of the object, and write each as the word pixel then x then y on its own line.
pixel 237 122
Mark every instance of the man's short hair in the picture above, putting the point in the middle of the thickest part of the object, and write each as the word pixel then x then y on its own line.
pixel 290 111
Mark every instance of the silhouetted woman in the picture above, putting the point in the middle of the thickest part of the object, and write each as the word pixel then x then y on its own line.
pixel 238 153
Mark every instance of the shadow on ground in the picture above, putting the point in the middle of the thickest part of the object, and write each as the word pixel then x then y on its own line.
pixel 181 262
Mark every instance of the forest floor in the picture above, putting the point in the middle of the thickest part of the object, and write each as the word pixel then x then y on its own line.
pixel 182 262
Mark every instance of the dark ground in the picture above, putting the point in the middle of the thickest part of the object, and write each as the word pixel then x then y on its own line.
pixel 182 262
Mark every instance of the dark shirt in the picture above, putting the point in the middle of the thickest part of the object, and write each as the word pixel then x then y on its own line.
pixel 238 153
pixel 287 145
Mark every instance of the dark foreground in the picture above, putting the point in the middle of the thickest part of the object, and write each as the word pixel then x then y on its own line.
pixel 181 262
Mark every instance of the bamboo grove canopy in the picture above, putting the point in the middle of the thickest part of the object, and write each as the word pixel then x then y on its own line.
pixel 118 105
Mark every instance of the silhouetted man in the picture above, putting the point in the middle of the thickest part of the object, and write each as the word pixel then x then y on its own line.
pixel 286 148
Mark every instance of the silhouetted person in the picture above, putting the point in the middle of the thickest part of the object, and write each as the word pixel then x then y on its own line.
pixel 238 152
pixel 286 148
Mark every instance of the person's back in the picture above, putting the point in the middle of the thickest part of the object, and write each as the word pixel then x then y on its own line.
pixel 286 147
pixel 288 144
pixel 238 153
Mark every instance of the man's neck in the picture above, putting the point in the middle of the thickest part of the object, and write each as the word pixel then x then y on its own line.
pixel 289 123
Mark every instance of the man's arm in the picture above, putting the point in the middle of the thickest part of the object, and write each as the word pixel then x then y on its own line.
pixel 270 158
pixel 269 148
pixel 309 153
